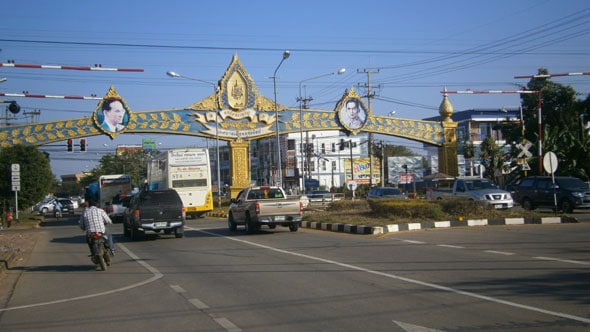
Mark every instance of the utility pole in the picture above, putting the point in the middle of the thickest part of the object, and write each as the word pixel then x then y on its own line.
pixel 370 95
pixel 305 145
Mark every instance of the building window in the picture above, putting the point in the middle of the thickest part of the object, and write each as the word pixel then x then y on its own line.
pixel 291 144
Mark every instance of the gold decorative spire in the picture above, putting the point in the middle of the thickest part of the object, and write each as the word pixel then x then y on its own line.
pixel 445 109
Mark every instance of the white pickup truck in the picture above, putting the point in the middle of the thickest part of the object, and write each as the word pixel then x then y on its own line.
pixel 264 205
pixel 476 189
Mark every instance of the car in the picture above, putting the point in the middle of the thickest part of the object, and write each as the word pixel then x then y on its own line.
pixel 386 192
pixel 155 211
pixel 115 208
pixel 568 193
pixel 314 195
pixel 67 206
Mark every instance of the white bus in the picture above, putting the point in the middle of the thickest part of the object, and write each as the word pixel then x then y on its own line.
pixel 188 171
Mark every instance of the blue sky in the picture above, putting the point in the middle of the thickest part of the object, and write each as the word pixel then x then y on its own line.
pixel 414 50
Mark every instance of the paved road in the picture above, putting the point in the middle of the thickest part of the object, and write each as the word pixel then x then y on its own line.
pixel 495 278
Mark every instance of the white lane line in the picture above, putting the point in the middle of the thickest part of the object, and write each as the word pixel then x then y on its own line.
pixel 562 260
pixel 198 304
pixel 177 289
pixel 450 246
pixel 414 241
pixel 396 277
pixel 156 275
pixel 227 325
pixel 505 253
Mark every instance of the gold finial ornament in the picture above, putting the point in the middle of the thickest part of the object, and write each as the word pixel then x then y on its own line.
pixel 445 109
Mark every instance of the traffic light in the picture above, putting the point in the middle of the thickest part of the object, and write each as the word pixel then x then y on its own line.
pixel 341 144
pixel 82 145
pixel 70 146
pixel 13 107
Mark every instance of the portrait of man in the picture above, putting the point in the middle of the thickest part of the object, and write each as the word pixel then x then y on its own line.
pixel 352 115
pixel 114 115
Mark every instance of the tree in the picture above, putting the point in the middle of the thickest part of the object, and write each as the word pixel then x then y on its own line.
pixel 36 178
pixel 562 130
pixel 491 158
pixel 133 163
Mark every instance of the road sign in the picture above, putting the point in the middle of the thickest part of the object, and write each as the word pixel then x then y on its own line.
pixel 15 176
pixel 550 162
pixel 352 185
pixel 524 150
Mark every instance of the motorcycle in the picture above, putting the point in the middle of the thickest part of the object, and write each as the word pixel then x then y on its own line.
pixel 101 255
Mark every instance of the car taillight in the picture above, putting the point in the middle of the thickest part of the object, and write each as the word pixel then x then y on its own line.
pixel 257 208
pixel 183 213
pixel 136 215
pixel 300 207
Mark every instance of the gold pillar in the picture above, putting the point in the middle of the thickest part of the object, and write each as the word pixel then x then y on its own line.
pixel 239 166
pixel 447 153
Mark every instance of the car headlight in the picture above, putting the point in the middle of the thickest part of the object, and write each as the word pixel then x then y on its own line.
pixel 578 194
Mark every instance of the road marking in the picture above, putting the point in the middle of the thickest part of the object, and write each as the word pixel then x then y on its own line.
pixel 562 260
pixel 177 289
pixel 227 325
pixel 396 277
pixel 414 241
pixel 198 304
pixel 505 253
pixel 414 328
pixel 156 275
pixel 450 246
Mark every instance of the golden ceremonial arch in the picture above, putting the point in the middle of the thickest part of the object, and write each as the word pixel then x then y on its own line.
pixel 237 113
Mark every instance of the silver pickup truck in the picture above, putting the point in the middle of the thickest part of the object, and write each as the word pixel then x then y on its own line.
pixel 476 189
pixel 264 205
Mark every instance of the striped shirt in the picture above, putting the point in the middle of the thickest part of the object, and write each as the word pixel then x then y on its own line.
pixel 94 219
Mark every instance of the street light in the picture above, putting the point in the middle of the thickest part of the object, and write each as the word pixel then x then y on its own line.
pixel 177 75
pixel 300 99
pixel 274 83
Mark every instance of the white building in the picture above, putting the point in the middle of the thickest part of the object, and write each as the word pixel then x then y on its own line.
pixel 321 167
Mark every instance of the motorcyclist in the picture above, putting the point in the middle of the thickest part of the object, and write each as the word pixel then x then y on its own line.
pixel 93 220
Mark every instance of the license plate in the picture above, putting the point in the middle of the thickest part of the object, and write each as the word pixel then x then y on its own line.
pixel 161 224
pixel 279 218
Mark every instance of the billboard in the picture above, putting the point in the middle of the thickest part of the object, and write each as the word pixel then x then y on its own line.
pixel 362 170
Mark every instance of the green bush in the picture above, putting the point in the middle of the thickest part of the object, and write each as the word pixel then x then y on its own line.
pixel 414 209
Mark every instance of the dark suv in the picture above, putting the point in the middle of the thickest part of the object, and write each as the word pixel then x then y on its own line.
pixel 156 211
pixel 570 193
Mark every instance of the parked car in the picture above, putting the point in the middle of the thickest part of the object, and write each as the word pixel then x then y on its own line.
pixel 570 193
pixel 314 195
pixel 67 206
pixel 386 192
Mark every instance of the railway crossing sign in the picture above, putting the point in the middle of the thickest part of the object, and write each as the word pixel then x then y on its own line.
pixel 524 153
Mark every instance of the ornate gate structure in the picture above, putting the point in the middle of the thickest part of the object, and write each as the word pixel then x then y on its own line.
pixel 237 113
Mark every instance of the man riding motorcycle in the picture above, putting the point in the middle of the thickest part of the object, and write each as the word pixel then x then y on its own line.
pixel 93 220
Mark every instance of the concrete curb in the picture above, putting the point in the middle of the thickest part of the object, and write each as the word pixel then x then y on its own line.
pixel 217 214
pixel 376 230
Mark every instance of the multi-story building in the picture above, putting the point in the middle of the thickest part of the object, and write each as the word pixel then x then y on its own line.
pixel 473 127
pixel 314 162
